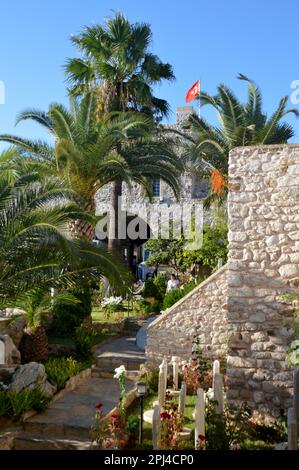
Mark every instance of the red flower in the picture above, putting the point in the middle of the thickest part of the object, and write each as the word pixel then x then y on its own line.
pixel 164 415
pixel 114 416
pixel 201 437
pixel 99 406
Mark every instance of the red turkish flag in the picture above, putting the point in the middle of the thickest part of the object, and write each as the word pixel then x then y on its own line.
pixel 193 92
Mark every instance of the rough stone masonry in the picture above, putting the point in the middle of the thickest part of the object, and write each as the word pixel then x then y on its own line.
pixel 263 210
pixel 240 309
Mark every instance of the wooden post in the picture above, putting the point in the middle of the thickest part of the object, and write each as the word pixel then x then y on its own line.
pixel 182 399
pixel 292 430
pixel 216 370
pixel 199 416
pixel 175 360
pixel 161 385
pixel 296 395
pixel 156 430
pixel 218 393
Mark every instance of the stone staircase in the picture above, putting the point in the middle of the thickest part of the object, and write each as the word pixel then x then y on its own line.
pixel 66 424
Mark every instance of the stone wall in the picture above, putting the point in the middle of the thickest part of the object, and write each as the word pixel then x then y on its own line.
pixel 263 264
pixel 202 312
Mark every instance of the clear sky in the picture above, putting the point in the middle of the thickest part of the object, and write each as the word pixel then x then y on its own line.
pixel 210 40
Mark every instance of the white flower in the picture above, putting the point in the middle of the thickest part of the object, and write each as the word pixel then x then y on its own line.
pixel 119 371
pixel 111 301
pixel 210 394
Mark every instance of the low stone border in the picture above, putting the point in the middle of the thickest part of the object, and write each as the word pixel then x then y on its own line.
pixel 111 327
pixel 70 385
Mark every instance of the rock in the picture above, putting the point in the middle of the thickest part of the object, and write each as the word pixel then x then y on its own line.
pixel 6 373
pixel 11 353
pixel 15 329
pixel 30 376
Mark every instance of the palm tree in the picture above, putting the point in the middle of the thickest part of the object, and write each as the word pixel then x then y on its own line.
pixel 240 124
pixel 116 62
pixel 88 154
pixel 36 248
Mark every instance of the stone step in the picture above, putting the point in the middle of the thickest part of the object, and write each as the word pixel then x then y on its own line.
pixel 56 429
pixel 112 363
pixel 108 373
pixel 45 442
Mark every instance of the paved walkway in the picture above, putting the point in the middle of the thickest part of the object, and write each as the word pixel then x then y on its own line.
pixel 66 423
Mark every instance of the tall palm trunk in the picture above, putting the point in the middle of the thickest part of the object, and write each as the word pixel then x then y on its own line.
pixel 113 226
pixel 82 229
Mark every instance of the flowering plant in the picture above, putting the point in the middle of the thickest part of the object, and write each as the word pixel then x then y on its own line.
pixel 109 433
pixel 172 423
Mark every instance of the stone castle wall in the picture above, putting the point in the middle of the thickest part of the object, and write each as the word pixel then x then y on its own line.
pixel 263 206
pixel 202 312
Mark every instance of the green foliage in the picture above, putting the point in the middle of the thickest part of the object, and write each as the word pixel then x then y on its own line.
pixel 166 251
pixel 151 377
pixel 14 404
pixel 154 287
pixel 175 295
pixel 36 246
pixel 70 309
pixel 115 59
pixel 228 429
pixel 60 369
pixel 5 403
pixel 240 124
pixel 132 426
pixel 176 254
pixel 249 444
pixel 83 339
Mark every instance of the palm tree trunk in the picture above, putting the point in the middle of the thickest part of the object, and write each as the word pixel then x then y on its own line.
pixel 113 228
pixel 81 228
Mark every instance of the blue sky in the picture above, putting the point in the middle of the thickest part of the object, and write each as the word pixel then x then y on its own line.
pixel 210 40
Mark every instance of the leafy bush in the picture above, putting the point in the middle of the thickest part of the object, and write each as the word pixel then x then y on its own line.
pixel 175 295
pixel 5 404
pixel 84 341
pixel 14 404
pixel 132 426
pixel 150 289
pixel 69 313
pixel 60 369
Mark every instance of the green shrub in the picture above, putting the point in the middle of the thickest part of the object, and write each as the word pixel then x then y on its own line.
pixel 160 284
pixel 39 401
pixel 20 402
pixel 14 404
pixel 83 339
pixel 150 289
pixel 60 369
pixel 248 444
pixel 132 426
pixel 67 316
pixel 5 404
pixel 175 295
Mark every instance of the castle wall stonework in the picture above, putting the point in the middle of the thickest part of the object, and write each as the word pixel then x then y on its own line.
pixel 202 312
pixel 241 309
pixel 263 211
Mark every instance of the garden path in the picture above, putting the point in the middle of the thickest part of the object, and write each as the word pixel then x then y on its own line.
pixel 66 423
